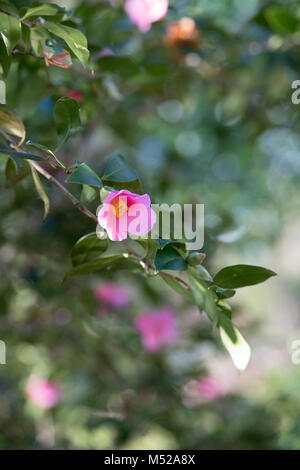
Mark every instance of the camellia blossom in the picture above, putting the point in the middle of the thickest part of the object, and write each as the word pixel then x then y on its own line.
pixel 112 295
pixel 125 212
pixel 157 328
pixel 62 60
pixel 43 393
pixel 145 12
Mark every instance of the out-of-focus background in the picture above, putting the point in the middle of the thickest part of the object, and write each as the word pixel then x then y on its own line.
pixel 203 110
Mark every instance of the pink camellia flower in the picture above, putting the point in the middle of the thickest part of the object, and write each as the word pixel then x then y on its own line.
pixel 112 296
pixel 208 388
pixel 145 12
pixel 76 95
pixel 157 328
pixel 125 212
pixel 43 393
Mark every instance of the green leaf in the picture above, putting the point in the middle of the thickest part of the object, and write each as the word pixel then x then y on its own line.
pixel 13 153
pixel 234 342
pixel 14 172
pixel 242 275
pixel 49 152
pixel 168 259
pixel 178 288
pixel 223 293
pixel 42 9
pixel 11 28
pixel 204 297
pixel 88 248
pixel 5 58
pixel 41 191
pixel 74 38
pixel 38 38
pixel 12 125
pixel 106 263
pixel 120 175
pixel 84 174
pixel 281 20
pixel 93 266
pixel 67 119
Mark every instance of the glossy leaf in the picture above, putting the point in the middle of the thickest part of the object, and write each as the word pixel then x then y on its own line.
pixel 42 9
pixel 234 342
pixel 67 119
pixel 168 259
pixel 120 175
pixel 241 275
pixel 84 174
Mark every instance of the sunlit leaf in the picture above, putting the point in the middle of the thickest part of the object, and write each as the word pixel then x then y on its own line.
pixel 234 342
pixel 12 125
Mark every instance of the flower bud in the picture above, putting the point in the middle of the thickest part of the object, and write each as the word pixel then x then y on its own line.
pixel 195 258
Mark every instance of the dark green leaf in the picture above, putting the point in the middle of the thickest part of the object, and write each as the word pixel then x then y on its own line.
pixel 168 259
pixel 242 275
pixel 87 249
pixel 28 156
pixel 84 174
pixel 281 20
pixel 204 297
pixel 120 175
pixel 67 119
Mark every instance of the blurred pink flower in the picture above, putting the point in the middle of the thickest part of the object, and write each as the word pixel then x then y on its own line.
pixel 157 328
pixel 43 393
pixel 145 12
pixel 208 388
pixel 76 95
pixel 125 212
pixel 112 296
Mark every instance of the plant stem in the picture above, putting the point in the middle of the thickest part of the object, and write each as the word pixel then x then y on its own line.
pixel 84 209
pixel 27 23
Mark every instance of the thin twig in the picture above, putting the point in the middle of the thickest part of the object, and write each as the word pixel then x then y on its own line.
pixel 85 210
pixel 27 23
